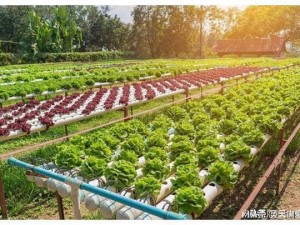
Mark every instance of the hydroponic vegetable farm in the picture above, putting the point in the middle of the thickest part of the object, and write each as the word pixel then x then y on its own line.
pixel 36 116
pixel 178 161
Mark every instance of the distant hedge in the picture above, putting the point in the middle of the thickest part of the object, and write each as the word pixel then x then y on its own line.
pixel 8 58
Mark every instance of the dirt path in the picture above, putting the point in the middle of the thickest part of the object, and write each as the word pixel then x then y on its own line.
pixel 290 184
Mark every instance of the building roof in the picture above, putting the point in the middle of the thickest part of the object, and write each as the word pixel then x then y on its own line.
pixel 270 45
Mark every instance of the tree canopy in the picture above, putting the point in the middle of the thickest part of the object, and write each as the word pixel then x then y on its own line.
pixel 156 31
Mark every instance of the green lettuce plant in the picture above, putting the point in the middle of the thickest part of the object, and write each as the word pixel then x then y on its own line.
pixel 186 176
pixel 68 156
pixel 156 168
pixel 189 200
pixel 93 167
pixel 121 174
pixel 147 186
pixel 237 150
pixel 223 173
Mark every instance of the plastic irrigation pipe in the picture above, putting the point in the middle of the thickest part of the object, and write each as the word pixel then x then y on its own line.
pixel 84 186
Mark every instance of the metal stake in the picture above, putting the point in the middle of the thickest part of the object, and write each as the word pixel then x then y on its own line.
pixel 60 206
pixel 66 130
pixel 131 110
pixel 2 199
pixel 186 95
pixel 125 109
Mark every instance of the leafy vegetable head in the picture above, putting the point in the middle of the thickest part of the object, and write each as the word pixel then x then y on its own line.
pixel 121 130
pixel 93 167
pixel 156 168
pixel 147 186
pixel 189 200
pixel 208 155
pixel 139 127
pixel 161 122
pixel 162 133
pixel 69 156
pixel 227 127
pixel 157 152
pixel 193 105
pixel 253 137
pixel 270 124
pixel 185 128
pixel 134 143
pixel 179 147
pixel 185 159
pixel 284 110
pixel 121 174
pixel 177 113
pixel 236 150
pixel 156 140
pixel 80 141
pixel 100 150
pixel 129 156
pixel 217 113
pixel 186 176
pixel 223 173
pixel 108 138
pixel 205 130
pixel 178 138
pixel 208 141
pixel 199 118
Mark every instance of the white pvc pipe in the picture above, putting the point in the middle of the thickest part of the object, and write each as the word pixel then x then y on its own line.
pixel 211 191
pixel 76 202
pixel 93 201
pixel 63 189
pixel 40 181
pixel 165 189
pixel 161 205
pixel 109 208
pixel 129 213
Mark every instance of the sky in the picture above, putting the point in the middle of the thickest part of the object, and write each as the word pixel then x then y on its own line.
pixel 124 11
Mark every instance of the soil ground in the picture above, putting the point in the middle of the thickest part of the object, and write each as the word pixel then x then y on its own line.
pixel 229 202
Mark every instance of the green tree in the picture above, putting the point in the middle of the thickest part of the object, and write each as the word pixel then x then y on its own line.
pixel 263 21
pixel 55 34
pixel 13 22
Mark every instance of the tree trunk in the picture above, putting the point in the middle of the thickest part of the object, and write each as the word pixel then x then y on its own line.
pixel 201 31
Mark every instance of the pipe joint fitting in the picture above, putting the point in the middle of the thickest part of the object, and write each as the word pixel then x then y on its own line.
pixel 74 183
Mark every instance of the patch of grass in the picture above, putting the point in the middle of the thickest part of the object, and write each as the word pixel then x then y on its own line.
pixel 92 216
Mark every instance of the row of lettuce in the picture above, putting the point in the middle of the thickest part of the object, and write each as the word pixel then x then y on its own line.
pixel 239 119
pixel 86 79
pixel 77 66
pixel 32 72
pixel 34 79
